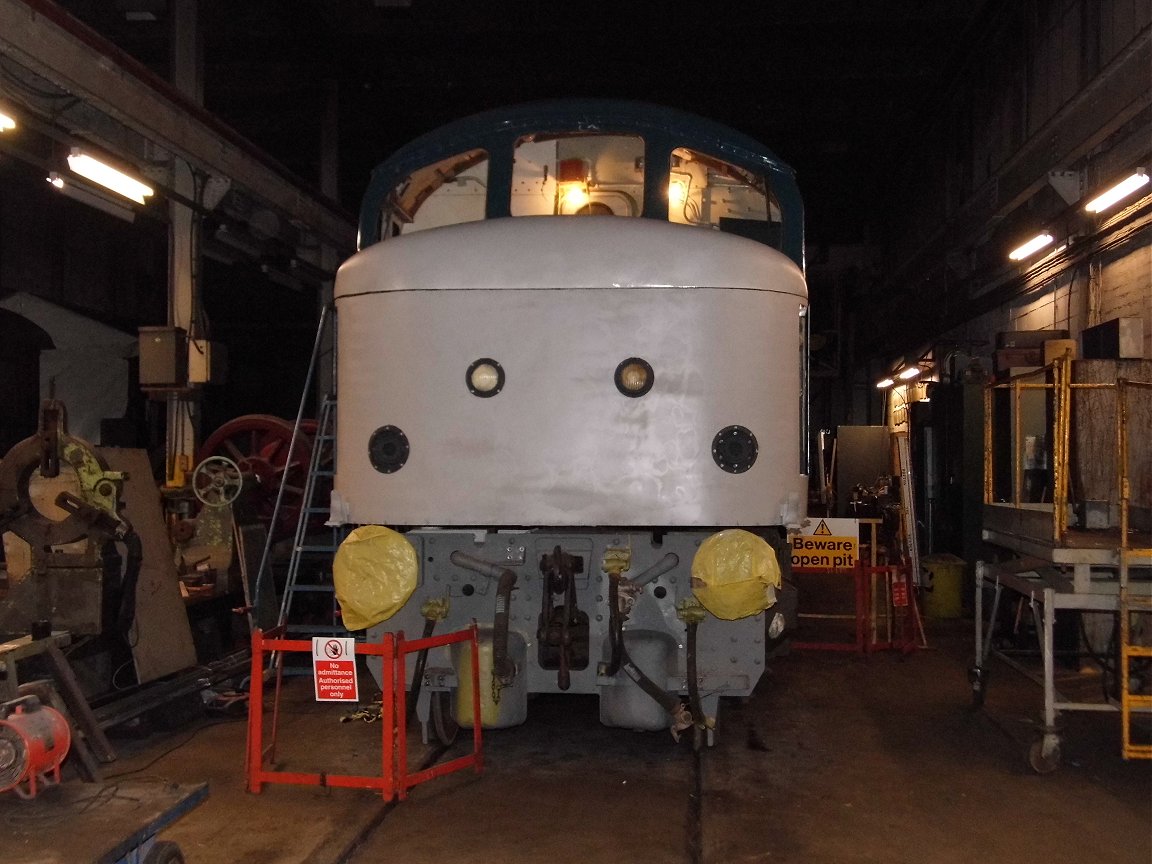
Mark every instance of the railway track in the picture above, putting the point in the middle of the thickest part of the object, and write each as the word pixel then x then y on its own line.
pixel 557 790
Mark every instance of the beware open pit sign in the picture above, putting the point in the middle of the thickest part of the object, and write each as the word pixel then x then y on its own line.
pixel 827 544
pixel 334 669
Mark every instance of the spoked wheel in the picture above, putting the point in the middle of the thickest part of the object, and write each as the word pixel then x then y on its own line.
pixel 217 481
pixel 259 445
pixel 443 723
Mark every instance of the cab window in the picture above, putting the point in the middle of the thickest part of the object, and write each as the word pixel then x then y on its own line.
pixel 578 175
pixel 447 192
pixel 709 192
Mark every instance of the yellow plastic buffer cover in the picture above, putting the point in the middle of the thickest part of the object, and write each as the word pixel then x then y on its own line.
pixel 375 573
pixel 735 574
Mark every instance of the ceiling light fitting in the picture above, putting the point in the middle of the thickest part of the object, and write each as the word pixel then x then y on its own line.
pixel 909 373
pixel 1118 192
pixel 884 383
pixel 1031 247
pixel 6 122
pixel 92 199
pixel 110 178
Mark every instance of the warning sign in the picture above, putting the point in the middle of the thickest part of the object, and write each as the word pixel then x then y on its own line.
pixel 334 668
pixel 827 544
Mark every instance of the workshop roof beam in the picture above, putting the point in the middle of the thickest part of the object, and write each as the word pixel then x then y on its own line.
pixel 46 40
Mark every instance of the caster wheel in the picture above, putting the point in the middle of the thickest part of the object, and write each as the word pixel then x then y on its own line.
pixel 1044 759
pixel 977 678
pixel 164 852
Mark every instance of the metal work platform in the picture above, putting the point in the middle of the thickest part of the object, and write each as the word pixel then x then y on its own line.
pixel 1083 543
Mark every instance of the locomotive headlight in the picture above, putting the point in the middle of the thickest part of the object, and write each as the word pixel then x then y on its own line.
pixel 485 378
pixel 634 377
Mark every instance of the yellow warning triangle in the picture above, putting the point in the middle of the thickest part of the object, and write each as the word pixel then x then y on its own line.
pixel 822 528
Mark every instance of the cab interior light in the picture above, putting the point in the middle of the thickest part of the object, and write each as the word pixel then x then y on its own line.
pixel 1031 247
pixel 110 178
pixel 574 195
pixel 1119 192
pixel 678 185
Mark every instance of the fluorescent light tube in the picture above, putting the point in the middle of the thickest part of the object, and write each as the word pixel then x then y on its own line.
pixel 910 372
pixel 108 177
pixel 1031 247
pixel 1118 192
pixel 884 384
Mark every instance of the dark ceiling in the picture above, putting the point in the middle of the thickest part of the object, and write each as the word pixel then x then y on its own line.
pixel 834 86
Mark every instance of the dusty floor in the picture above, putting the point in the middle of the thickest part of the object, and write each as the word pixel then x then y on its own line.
pixel 836 758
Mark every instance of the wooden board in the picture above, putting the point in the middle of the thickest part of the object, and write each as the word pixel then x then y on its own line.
pixel 1094 431
pixel 161 637
pixel 78 823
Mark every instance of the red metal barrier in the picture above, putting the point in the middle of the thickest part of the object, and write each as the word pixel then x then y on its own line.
pixel 393 778
pixel 404 780
pixel 899 614
pixel 859 614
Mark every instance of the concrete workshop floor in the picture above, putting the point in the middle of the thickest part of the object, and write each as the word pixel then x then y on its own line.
pixel 836 758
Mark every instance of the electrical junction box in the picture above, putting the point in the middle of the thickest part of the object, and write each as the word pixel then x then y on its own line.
pixel 163 357
pixel 207 362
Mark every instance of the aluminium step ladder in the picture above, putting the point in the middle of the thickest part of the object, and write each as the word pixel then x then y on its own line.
pixel 310 563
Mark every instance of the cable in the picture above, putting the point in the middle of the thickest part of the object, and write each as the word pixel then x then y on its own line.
pixel 175 747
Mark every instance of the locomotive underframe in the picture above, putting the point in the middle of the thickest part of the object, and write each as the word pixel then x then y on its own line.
pixel 730 654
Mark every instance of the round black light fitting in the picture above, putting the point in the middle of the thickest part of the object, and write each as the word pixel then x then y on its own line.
pixel 388 449
pixel 734 449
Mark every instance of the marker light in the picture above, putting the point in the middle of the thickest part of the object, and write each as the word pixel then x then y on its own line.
pixel 1118 192
pixel 485 378
pixel 1032 246
pixel 910 372
pixel 108 177
pixel 634 377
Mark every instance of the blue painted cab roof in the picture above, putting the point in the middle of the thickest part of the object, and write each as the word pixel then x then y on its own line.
pixel 661 127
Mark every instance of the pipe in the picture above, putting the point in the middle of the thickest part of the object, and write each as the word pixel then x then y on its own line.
pixel 502 666
pixel 670 702
pixel 418 670
pixel 694 686
pixel 615 626
pixel 133 560
pixel 615 618
pixel 666 564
